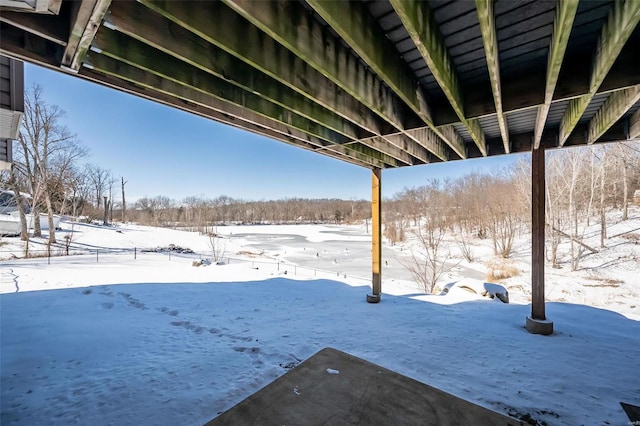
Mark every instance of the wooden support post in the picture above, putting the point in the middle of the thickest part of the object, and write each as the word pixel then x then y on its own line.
pixel 537 323
pixel 376 235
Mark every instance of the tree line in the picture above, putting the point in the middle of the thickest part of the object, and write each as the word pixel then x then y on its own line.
pixel 200 212
pixel 582 184
pixel 49 175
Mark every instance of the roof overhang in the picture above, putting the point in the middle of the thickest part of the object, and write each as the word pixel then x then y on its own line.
pixel 380 84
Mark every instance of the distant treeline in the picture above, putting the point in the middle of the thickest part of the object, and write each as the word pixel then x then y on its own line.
pixel 582 183
pixel 202 213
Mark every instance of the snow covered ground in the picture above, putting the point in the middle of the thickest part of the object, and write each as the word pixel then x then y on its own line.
pixel 106 338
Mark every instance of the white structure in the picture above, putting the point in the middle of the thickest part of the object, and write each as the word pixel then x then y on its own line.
pixel 11 107
pixel 10 215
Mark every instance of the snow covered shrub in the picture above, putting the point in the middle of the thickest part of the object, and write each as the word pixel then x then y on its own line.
pixel 217 246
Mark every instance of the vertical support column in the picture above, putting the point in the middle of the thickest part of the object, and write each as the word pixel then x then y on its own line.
pixel 537 323
pixel 376 235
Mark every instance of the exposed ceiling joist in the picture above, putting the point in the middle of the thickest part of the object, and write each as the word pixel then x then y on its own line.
pixel 616 105
pixel 490 41
pixel 420 23
pixel 246 61
pixel 140 74
pixel 527 90
pixel 247 85
pixel 229 114
pixel 28 47
pixel 45 26
pixel 621 22
pixel 415 150
pixel 634 125
pixel 216 23
pixel 309 41
pixel 367 154
pixel 86 17
pixel 46 7
pixel 383 145
pixel 353 22
pixel 562 24
pixel 352 79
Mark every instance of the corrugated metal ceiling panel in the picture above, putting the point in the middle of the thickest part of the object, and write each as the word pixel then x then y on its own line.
pixel 633 109
pixel 556 111
pixel 462 130
pixel 594 106
pixel 522 121
pixel 490 126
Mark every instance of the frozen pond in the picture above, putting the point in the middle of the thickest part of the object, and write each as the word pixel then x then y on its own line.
pixel 344 250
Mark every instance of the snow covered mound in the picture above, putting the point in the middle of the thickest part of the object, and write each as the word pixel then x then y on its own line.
pixel 490 290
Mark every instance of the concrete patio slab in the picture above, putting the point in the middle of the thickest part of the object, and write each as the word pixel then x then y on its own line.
pixel 335 388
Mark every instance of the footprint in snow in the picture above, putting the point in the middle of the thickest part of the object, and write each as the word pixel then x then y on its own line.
pixel 253 350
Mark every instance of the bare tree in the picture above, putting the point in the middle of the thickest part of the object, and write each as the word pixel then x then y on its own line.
pixel 626 154
pixel 217 246
pixel 99 179
pixel 602 207
pixel 575 180
pixel 428 263
pixel 464 244
pixel 46 151
pixel 505 217
pixel 124 204
pixel 149 207
pixel 15 186
pixel 112 182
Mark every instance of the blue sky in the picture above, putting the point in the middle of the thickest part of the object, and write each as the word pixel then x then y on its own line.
pixel 164 151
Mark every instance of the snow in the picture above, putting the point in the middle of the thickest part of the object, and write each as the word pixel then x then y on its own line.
pixel 113 339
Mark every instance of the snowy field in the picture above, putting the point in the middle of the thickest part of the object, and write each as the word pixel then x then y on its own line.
pixel 106 338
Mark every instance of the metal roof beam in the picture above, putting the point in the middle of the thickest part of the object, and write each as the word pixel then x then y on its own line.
pixel 420 23
pixel 487 21
pixel 616 105
pixel 622 20
pixel 562 24
pixel 353 22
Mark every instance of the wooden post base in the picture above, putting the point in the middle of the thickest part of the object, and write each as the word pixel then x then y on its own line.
pixel 536 326
pixel 373 298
